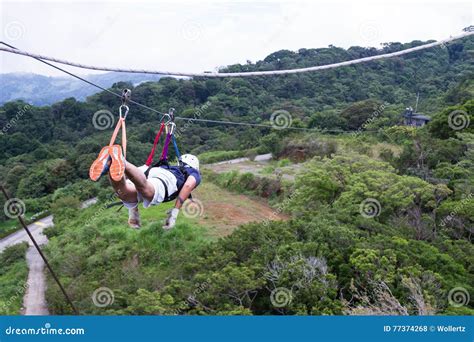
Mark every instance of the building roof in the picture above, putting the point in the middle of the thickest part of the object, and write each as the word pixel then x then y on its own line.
pixel 416 116
pixel 421 117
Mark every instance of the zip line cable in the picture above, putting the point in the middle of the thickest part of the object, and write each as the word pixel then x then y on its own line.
pixel 259 125
pixel 177 117
pixel 86 81
pixel 43 59
pixel 56 279
pixel 240 74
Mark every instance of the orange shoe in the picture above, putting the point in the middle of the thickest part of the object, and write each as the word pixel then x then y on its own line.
pixel 117 167
pixel 100 165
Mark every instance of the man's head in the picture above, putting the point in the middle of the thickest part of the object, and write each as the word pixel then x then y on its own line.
pixel 190 160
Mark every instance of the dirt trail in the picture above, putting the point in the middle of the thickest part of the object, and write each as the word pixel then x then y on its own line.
pixel 256 167
pixel 34 301
pixel 224 211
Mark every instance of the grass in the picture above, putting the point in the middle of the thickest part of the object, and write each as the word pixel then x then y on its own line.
pixel 13 277
pixel 8 227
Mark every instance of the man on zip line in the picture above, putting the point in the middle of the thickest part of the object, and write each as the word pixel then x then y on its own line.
pixel 150 185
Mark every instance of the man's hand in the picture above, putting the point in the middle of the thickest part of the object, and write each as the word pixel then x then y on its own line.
pixel 171 220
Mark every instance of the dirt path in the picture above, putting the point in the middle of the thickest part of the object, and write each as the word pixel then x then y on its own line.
pixel 256 167
pixel 224 211
pixel 19 236
pixel 34 301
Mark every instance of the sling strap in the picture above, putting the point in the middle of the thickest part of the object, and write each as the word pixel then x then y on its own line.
pixel 178 155
pixel 164 153
pixel 121 122
pixel 149 160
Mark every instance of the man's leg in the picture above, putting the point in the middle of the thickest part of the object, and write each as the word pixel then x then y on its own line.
pixel 126 191
pixel 138 178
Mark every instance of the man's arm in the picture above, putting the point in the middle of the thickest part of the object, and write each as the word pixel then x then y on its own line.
pixel 183 195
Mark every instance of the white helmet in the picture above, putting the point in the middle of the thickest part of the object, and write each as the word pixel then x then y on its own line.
pixel 190 160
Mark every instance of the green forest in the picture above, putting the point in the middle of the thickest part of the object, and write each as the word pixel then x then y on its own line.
pixel 378 216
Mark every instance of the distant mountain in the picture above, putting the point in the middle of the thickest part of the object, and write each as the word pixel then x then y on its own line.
pixel 43 90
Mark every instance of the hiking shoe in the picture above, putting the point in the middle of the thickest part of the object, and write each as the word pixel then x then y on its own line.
pixel 100 166
pixel 117 166
pixel 134 218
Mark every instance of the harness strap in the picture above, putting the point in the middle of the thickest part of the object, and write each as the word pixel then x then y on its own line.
pixel 121 124
pixel 176 147
pixel 166 188
pixel 149 160
pixel 164 154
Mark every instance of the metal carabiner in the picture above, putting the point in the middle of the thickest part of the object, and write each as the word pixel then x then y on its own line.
pixel 166 116
pixel 123 116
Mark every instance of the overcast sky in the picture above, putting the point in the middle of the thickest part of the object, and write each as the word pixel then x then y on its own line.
pixel 199 35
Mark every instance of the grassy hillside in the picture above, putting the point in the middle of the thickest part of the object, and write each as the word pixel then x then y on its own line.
pixel 13 277
pixel 331 257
